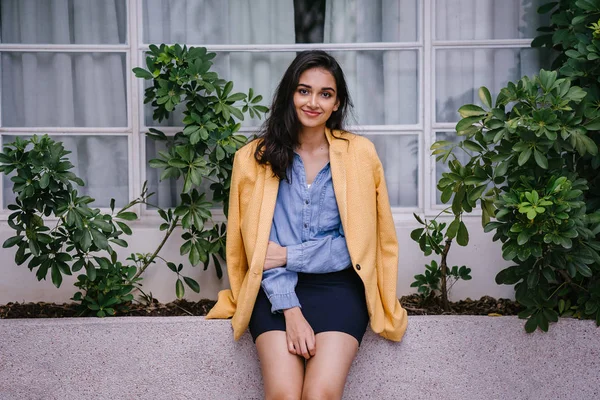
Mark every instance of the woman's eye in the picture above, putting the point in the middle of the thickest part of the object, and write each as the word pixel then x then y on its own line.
pixel 303 91
pixel 326 94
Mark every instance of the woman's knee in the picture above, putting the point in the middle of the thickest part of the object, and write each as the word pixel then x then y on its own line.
pixel 321 392
pixel 283 393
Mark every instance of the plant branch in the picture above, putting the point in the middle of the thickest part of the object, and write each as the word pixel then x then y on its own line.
pixel 160 246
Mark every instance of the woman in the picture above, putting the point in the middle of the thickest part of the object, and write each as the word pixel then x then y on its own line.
pixel 312 254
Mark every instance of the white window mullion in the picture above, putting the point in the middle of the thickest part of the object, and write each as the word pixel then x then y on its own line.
pixel 486 44
pixel 64 48
pixel 57 130
pixel 303 46
pixel 428 165
pixel 136 160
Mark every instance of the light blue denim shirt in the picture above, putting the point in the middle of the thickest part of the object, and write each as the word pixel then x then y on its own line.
pixel 307 222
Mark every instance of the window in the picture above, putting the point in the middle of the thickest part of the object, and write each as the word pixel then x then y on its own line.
pixel 410 65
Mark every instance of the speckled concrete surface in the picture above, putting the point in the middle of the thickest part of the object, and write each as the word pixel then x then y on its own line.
pixel 190 358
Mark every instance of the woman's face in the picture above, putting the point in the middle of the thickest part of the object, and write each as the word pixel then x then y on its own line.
pixel 315 97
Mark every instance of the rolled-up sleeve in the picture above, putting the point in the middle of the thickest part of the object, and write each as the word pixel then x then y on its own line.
pixel 279 285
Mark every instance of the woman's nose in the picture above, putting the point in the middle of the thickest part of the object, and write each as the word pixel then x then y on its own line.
pixel 312 101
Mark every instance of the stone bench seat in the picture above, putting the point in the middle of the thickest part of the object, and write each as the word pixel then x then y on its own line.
pixel 440 357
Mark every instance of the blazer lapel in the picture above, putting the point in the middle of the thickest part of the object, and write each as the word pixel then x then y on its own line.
pixel 338 160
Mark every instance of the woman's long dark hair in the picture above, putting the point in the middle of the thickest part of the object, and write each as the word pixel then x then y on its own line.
pixel 279 133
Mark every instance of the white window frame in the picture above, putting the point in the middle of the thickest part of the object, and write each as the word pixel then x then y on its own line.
pixel 425 128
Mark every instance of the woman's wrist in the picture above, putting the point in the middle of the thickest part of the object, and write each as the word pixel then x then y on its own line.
pixel 291 312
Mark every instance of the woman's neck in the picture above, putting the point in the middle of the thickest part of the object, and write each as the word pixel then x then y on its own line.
pixel 311 139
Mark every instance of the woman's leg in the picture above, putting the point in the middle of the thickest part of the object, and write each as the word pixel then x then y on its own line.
pixel 283 372
pixel 327 370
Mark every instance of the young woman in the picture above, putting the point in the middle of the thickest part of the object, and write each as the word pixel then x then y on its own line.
pixel 312 253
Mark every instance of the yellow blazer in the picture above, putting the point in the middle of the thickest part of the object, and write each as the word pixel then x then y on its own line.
pixel 363 202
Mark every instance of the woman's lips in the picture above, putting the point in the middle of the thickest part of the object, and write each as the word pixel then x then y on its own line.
pixel 311 113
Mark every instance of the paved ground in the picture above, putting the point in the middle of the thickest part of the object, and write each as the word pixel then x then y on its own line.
pixel 449 357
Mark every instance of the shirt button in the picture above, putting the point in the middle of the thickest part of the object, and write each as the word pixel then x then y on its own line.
pixel 306 202
pixel 306 225
pixel 358 267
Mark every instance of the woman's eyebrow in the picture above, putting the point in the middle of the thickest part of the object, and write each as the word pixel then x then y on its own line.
pixel 310 87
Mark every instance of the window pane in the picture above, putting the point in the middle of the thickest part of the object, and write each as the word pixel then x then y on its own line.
pixel 63 89
pixel 383 84
pixel 166 192
pixel 399 155
pixel 63 21
pixel 279 21
pixel 488 19
pixel 461 72
pixel 101 161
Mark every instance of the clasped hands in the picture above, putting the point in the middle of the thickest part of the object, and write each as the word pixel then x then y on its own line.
pixel 300 336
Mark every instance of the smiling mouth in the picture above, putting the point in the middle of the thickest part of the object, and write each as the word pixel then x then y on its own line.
pixel 311 113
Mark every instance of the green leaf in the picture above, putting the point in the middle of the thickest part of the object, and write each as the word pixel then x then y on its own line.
pixel 453 228
pixel 540 159
pixel 192 284
pixel 531 324
pixel 90 271
pixel 485 96
pixel 463 234
pixel 124 227
pixel 476 193
pixel 524 156
pixel 56 275
pixel 10 242
pixel 471 110
pixel 142 73
pixel 179 289
pixel 584 270
pixel 416 234
pixel 127 216
pixel 590 145
pixel 99 239
pixel 471 145
pixel 593 125
pixel 467 122
pixel 172 266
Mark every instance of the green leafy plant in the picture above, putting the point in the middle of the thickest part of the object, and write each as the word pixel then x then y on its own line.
pixel 205 147
pixel 522 171
pixel 82 237
pixel 57 231
pixel 438 280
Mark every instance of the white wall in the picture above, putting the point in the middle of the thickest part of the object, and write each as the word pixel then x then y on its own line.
pixel 18 284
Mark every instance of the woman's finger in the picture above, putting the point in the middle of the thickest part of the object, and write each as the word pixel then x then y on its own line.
pixel 312 344
pixel 304 349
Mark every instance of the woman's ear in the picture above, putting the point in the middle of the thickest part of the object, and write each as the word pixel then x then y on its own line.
pixel 337 105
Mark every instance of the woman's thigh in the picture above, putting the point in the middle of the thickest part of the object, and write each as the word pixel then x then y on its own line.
pixel 327 370
pixel 283 372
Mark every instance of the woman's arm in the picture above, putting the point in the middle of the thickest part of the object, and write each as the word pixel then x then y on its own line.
pixel 280 287
pixel 318 256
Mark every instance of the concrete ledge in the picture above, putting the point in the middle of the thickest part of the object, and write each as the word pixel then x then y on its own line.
pixel 449 357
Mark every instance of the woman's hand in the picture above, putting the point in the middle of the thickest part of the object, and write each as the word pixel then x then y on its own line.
pixel 276 256
pixel 300 336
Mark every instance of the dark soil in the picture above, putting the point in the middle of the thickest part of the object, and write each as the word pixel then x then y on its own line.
pixel 414 305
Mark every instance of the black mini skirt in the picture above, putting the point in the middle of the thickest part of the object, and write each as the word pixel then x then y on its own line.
pixel 333 301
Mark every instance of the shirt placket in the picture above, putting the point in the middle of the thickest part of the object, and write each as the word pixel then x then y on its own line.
pixel 304 192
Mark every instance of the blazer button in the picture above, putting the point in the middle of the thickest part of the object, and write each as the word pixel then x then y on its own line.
pixel 358 267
